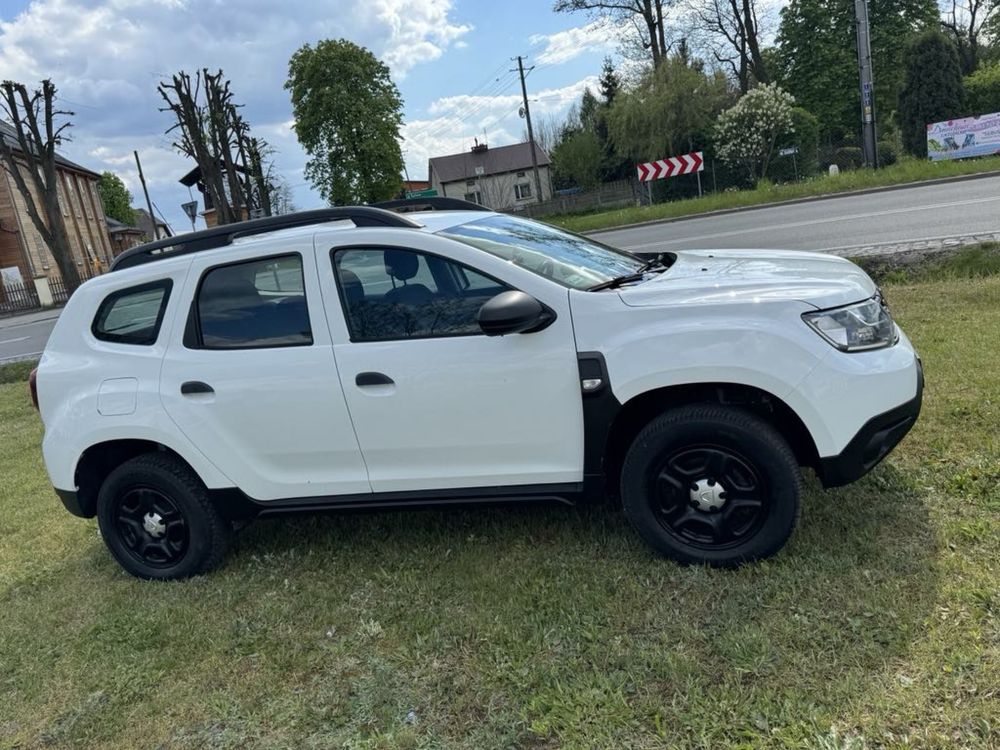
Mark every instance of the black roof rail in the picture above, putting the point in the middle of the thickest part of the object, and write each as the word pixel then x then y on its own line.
pixel 412 205
pixel 220 236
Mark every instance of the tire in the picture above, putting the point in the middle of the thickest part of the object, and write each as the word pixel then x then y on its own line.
pixel 158 521
pixel 715 485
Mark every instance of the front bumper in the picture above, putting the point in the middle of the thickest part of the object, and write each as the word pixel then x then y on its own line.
pixel 71 500
pixel 873 442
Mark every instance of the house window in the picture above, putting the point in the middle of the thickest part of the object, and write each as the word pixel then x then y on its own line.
pixel 522 191
pixel 520 174
pixel 470 183
pixel 474 197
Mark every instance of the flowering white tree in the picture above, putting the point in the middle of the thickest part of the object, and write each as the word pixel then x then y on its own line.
pixel 746 133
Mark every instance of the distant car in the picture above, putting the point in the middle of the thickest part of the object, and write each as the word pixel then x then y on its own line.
pixel 358 357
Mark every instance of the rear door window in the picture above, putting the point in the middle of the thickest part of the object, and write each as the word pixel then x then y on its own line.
pixel 133 315
pixel 254 304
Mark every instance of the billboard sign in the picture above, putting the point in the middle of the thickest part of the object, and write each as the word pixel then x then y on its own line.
pixel 960 139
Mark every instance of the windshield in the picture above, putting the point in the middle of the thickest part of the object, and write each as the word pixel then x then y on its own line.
pixel 563 257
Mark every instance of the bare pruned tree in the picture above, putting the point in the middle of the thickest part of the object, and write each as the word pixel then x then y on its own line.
pixel 645 16
pixel 732 32
pixel 234 165
pixel 964 21
pixel 31 162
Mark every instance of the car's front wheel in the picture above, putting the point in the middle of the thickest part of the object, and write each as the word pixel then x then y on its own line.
pixel 158 521
pixel 711 484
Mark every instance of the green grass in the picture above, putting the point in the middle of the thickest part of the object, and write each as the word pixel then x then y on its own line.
pixel 878 626
pixel 906 170
pixel 973 262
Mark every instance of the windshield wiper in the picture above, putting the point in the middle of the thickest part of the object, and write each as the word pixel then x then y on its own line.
pixel 637 275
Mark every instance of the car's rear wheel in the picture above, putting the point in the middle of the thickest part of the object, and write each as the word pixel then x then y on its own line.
pixel 711 484
pixel 158 521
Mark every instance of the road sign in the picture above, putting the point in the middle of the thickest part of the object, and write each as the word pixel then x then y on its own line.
pixel 790 151
pixel 191 209
pixel 671 166
pixel 428 193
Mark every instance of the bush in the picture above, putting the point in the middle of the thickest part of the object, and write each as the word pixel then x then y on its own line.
pixel 982 90
pixel 747 133
pixel 887 154
pixel 848 157
pixel 804 135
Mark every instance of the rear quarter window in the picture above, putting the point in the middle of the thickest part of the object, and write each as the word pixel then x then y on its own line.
pixel 132 315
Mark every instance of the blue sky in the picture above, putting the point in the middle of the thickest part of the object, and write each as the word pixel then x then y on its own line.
pixel 450 59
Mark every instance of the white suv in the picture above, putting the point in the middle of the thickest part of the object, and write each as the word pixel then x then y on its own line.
pixel 365 358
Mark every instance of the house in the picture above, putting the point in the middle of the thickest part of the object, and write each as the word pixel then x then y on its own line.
pixel 123 237
pixel 499 178
pixel 145 224
pixel 23 253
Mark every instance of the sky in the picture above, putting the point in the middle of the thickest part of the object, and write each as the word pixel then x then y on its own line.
pixel 451 60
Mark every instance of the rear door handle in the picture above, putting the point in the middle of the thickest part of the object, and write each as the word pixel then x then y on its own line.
pixel 372 378
pixel 195 386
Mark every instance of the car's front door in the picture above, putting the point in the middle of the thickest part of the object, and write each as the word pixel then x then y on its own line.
pixel 253 383
pixel 437 404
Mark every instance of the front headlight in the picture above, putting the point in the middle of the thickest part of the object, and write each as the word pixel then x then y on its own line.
pixel 857 327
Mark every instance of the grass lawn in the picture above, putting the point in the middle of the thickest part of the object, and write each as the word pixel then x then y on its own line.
pixel 878 626
pixel 906 170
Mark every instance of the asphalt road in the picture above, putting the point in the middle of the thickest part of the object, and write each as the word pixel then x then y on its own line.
pixel 900 216
pixel 25 336
pixel 912 215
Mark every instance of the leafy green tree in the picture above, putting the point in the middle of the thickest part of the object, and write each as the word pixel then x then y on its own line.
pixel 669 112
pixel 577 160
pixel 747 133
pixel 347 117
pixel 818 65
pixel 115 198
pixel 932 91
pixel 804 136
pixel 982 90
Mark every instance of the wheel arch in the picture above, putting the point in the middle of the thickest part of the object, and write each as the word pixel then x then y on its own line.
pixel 637 412
pixel 100 459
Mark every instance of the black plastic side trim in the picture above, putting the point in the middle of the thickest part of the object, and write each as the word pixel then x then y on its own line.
pixel 71 501
pixel 600 407
pixel 873 442
pixel 235 505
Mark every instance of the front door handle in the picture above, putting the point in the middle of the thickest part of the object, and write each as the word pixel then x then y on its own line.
pixel 372 378
pixel 195 386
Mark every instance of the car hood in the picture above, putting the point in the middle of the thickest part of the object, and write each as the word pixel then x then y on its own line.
pixel 723 276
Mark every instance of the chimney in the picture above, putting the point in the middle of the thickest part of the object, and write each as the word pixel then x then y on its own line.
pixel 479 148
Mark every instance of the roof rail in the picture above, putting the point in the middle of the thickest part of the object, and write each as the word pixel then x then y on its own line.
pixel 220 236
pixel 412 205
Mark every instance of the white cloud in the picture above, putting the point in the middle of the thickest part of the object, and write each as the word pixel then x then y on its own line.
pixel 601 36
pixel 462 119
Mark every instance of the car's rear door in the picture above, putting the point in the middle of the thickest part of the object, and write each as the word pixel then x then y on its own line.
pixel 250 377
pixel 437 404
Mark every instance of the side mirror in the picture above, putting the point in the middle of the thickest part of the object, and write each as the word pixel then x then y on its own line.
pixel 513 312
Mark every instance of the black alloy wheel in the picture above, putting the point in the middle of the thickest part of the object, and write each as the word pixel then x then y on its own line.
pixel 151 526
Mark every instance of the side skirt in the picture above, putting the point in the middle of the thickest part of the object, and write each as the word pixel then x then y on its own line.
pixel 236 505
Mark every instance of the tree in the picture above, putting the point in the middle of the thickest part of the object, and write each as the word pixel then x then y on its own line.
pixel 609 84
pixel 31 162
pixel 746 134
pixel 347 118
pixel 645 17
pixel 818 64
pixel 577 160
pixel 734 33
pixel 115 198
pixel 214 134
pixel 965 22
pixel 932 90
pixel 982 90
pixel 669 112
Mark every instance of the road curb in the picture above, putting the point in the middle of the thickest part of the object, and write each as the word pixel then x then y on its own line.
pixel 794 201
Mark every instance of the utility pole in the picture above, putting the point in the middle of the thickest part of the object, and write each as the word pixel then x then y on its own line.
pixel 867 85
pixel 531 134
pixel 149 203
